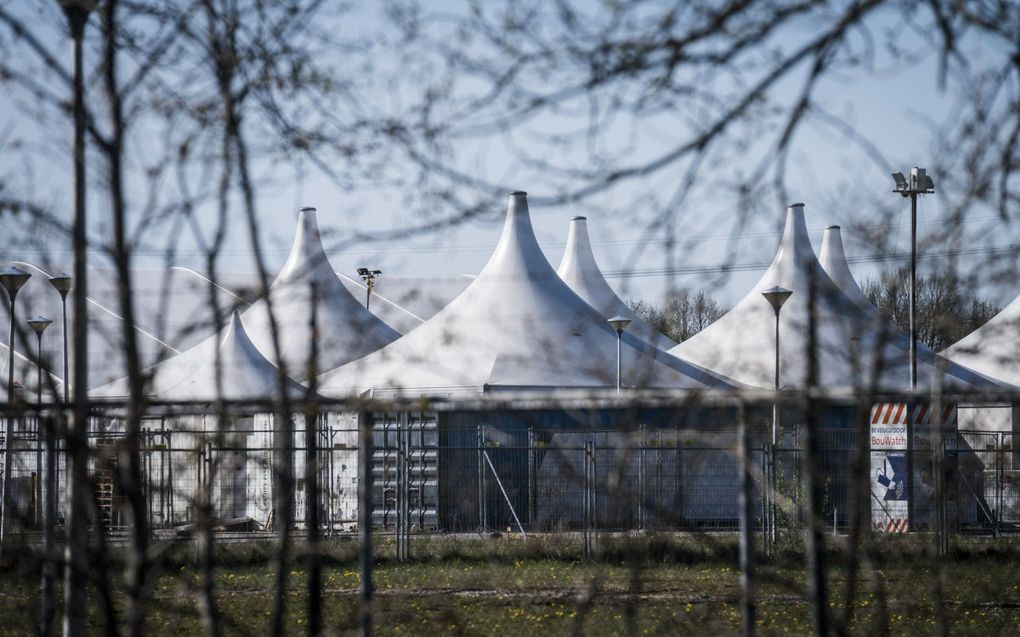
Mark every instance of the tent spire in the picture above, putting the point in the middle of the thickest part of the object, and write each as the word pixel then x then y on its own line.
pixel 581 273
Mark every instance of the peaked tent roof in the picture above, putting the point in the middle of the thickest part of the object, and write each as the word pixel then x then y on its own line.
pixel 833 260
pixel 347 331
pixel 994 348
pixel 579 270
pixel 516 326
pixel 741 344
pixel 191 375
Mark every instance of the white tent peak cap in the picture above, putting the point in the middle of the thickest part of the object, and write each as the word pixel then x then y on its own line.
pixel 581 273
pixel 833 259
pixel 306 253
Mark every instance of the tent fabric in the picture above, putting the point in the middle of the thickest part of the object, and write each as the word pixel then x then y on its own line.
pixel 346 330
pixel 405 302
pixel 191 376
pixel 994 348
pixel 517 325
pixel 581 273
pixel 849 339
pixel 833 260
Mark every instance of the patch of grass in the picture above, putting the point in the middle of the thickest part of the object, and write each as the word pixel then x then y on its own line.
pixel 639 584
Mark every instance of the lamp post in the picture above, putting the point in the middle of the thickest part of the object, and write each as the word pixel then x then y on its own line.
pixel 776 296
pixel 11 279
pixel 77 14
pixel 368 276
pixel 619 323
pixel 920 183
pixel 38 325
pixel 62 284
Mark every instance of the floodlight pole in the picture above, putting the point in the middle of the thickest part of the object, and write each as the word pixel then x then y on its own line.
pixel 920 183
pixel 368 276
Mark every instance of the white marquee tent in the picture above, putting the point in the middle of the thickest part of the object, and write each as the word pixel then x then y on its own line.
pixel 517 326
pixel 347 331
pixel 741 344
pixel 245 374
pixel 994 348
pixel 579 270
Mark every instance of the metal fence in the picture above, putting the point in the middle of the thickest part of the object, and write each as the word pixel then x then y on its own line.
pixel 479 472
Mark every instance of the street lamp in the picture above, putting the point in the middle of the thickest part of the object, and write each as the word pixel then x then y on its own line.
pixel 62 284
pixel 11 279
pixel 38 325
pixel 776 296
pixel 77 14
pixel 619 323
pixel 368 276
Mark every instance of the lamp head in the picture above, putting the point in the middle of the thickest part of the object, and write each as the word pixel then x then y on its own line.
pixel 777 296
pixel 13 278
pixel 902 186
pixel 619 323
pixel 39 324
pixel 363 271
pixel 61 283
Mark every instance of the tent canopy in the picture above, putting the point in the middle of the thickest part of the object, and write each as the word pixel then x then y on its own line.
pixel 245 374
pixel 849 338
pixel 346 330
pixel 517 325
pixel 994 348
pixel 581 273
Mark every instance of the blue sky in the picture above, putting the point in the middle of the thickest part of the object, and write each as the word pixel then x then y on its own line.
pixel 894 108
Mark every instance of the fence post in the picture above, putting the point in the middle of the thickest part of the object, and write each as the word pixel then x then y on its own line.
pixel 641 476
pixel 746 501
pixel 365 466
pixel 532 478
pixel 483 520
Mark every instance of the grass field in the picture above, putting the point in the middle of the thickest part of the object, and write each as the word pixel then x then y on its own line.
pixel 507 586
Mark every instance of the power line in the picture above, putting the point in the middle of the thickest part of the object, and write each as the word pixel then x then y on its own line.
pixel 1005 250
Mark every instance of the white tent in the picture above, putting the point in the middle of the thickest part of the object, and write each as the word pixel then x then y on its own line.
pixel 994 348
pixel 517 326
pixel 346 330
pixel 245 374
pixel 579 270
pixel 833 260
pixel 741 344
